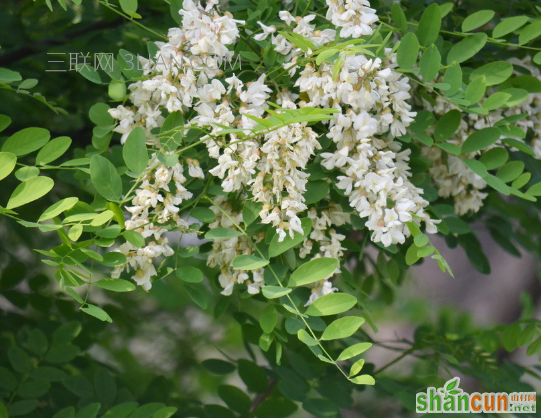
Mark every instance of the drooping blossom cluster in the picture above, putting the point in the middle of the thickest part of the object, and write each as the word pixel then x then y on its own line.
pixel 154 205
pixel 373 100
pixel 284 155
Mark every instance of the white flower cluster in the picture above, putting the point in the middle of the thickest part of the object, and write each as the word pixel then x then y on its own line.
pixel 270 167
pixel 355 17
pixel 153 206
pixel 225 250
pixel 373 100
pixel 284 155
pixel 182 71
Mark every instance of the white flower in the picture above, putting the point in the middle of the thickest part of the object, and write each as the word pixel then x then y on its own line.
pixel 267 30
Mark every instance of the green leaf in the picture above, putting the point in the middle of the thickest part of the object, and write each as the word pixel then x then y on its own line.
pixel 248 262
pixel 62 354
pixel 363 379
pixel 50 374
pixel 331 304
pixel 510 336
pixel 134 151
pixel 235 398
pixel 197 296
pixel 496 100
pixel 26 141
pixel 250 211
pixel 110 232
pixel 88 72
pixel 316 191
pixel 5 121
pixel 450 148
pixel 268 319
pixel 534 347
pixel 22 407
pixel 429 25
pixel 68 412
pixel 173 125
pixel 219 367
pixel 510 171
pixel 102 218
pixel 75 232
pixel 408 50
pixel 105 387
pixel 453 77
pixel 273 292
pixel 313 271
pixel 20 361
pixel 430 63
pixel 494 158
pixel 321 408
pixel 467 48
pixel 447 125
pixel 3 411
pixel 121 411
pixel 53 150
pixel 353 351
pixel 96 312
pixel 399 17
pixel 222 233
pixel 189 274
pixel 509 25
pixel 306 338
pixel 26 173
pixel 476 166
pixel 100 116
pixel 175 6
pixel 89 411
pixel 67 332
pixel 33 389
pixel 8 161
pixel 342 328
pixel 480 139
pixel 129 7
pixel 204 215
pixel 253 376
pixel 276 248
pixel 476 89
pixel 519 145
pixel 521 180
pixel 30 190
pixel 495 72
pixel 105 178
pixel 79 385
pixel 517 96
pixel 421 240
pixel 535 190
pixel 8 381
pixel 497 184
pixel 9 76
pixel 356 367
pixel 116 285
pixel 477 20
pixel 134 238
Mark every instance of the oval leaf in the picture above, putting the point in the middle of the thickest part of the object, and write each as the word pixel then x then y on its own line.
pixel 313 271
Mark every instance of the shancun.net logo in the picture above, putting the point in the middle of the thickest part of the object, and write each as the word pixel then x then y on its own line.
pixel 451 399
